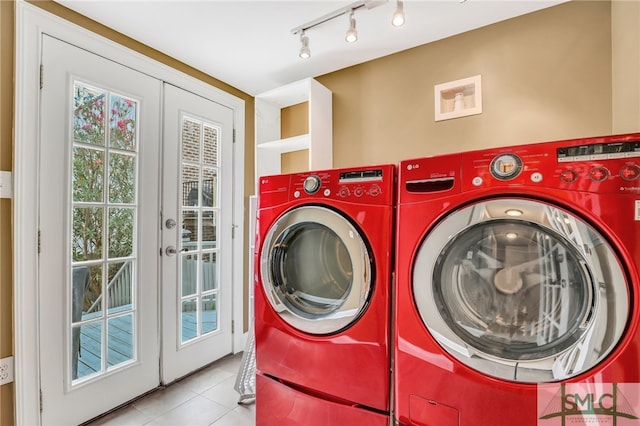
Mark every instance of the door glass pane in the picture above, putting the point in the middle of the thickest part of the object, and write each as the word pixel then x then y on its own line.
pixel 209 187
pixel 119 294
pixel 88 356
pixel 122 173
pixel 209 313
pixel 120 224
pixel 200 222
pixel 120 340
pixel 122 123
pixel 209 272
pixel 87 233
pixel 190 186
pixel 189 274
pixel 190 231
pixel 209 222
pixel 89 114
pixel 103 236
pixel 210 151
pixel 87 292
pixel 190 140
pixel 88 174
pixel 189 319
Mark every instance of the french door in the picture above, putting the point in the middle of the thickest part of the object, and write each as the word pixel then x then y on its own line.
pixel 112 292
pixel 196 232
pixel 98 292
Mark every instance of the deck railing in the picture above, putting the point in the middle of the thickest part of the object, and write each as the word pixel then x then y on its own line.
pixel 189 278
pixel 118 289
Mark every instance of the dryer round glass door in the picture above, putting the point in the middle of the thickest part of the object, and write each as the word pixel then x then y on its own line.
pixel 521 290
pixel 316 270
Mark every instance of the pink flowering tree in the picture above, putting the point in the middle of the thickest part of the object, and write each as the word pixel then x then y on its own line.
pixel 104 174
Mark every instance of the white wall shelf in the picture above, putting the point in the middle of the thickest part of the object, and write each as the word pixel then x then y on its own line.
pixel 319 141
pixel 294 143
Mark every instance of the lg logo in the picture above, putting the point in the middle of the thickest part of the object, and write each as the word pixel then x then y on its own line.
pixel 413 166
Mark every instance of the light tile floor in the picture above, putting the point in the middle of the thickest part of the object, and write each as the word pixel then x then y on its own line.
pixel 207 398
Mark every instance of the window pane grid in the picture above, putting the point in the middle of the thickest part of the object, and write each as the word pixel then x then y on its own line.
pixel 104 228
pixel 200 222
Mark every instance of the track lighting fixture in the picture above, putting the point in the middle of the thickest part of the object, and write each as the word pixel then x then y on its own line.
pixel 352 34
pixel 305 53
pixel 398 16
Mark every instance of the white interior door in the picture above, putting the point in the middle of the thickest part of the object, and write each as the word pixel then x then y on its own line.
pixel 99 222
pixel 196 232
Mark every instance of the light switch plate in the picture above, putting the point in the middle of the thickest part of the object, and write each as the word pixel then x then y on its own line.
pixel 6 184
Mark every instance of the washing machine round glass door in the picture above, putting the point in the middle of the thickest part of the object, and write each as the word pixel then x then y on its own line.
pixel 521 290
pixel 316 270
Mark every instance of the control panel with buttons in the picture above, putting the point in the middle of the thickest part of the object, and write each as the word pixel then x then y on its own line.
pixel 606 164
pixel 363 185
pixel 612 164
pixel 603 164
pixel 349 185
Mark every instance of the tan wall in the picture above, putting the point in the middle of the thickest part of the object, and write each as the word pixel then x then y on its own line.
pixel 625 34
pixel 6 147
pixel 294 122
pixel 545 76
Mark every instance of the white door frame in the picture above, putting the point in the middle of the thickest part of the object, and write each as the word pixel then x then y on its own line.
pixel 31 23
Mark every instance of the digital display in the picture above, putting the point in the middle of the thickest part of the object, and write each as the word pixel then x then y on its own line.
pixel 361 175
pixel 600 150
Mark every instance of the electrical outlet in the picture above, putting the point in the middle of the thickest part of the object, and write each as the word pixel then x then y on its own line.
pixel 6 370
pixel 6 184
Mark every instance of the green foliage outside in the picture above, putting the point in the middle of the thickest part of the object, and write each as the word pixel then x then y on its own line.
pixel 103 181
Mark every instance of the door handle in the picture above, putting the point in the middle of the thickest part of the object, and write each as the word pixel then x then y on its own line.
pixel 171 250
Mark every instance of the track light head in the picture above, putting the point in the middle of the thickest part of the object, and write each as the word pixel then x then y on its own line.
pixel 352 34
pixel 398 16
pixel 305 52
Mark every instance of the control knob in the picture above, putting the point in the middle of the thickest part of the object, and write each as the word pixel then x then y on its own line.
pixel 311 184
pixel 506 166
pixel 568 176
pixel 344 192
pixel 630 172
pixel 598 174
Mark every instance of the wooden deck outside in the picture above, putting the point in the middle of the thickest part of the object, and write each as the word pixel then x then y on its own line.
pixel 120 347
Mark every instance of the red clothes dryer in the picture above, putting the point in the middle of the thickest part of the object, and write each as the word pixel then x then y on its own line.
pixel 322 297
pixel 517 274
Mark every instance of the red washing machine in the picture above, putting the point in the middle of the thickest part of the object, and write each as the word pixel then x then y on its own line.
pixel 323 297
pixel 517 280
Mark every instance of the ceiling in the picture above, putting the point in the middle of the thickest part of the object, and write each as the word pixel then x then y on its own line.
pixel 249 44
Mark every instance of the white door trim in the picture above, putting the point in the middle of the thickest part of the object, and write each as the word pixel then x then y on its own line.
pixel 31 23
